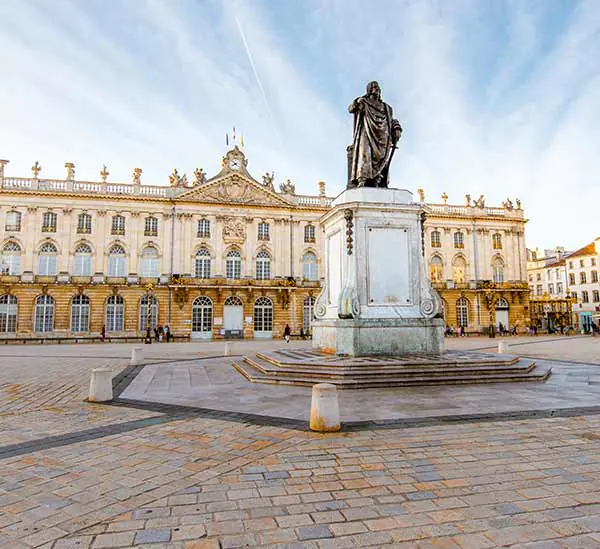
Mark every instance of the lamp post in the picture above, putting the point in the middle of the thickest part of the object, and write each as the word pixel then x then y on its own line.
pixel 148 339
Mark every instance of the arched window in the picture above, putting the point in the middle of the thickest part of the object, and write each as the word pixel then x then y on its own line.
pixel 263 265
pixel 10 261
pixel 116 261
pixel 84 223
pixel 436 240
pixel 309 313
pixel 47 259
pixel 263 315
pixel 202 267
pixel 43 320
pixel 309 266
pixel 501 303
pixel 144 313
pixel 234 264
pixel 436 269
pixel 498 270
pixel 202 309
pixel 497 241
pixel 458 269
pixel 203 228
pixel 309 233
pixel 82 261
pixel 233 301
pixel 118 225
pixel 149 264
pixel 12 221
pixel 115 313
pixel 80 313
pixel 8 313
pixel 151 226
pixel 49 222
pixel 462 312
pixel 459 241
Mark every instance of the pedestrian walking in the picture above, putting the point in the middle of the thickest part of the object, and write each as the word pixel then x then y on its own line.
pixel 103 333
pixel 286 333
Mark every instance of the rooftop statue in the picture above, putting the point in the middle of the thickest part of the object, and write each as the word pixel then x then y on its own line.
pixel 376 133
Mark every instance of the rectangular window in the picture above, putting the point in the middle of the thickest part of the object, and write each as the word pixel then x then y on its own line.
pixel 13 221
pixel 436 241
pixel 559 288
pixel 151 226
pixel 263 231
pixel 49 222
pixel 572 279
pixel 551 289
pixel 593 261
pixel 309 233
pixel 594 276
pixel 84 223
pixel 539 289
pixel 570 264
pixel 581 263
pixel 585 297
pixel 203 228
pixel 118 225
pixel 582 278
pixel 596 296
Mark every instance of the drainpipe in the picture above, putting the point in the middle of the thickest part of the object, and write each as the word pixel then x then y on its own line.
pixel 291 245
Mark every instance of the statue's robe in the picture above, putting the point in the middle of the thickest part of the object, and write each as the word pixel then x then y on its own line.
pixel 373 144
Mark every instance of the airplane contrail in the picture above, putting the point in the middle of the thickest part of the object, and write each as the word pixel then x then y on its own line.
pixel 258 80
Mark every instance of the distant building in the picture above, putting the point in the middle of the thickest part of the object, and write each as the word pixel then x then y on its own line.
pixel 548 289
pixel 582 272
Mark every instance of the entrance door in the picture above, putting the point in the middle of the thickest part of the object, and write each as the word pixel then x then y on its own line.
pixel 202 310
pixel 502 313
pixel 233 317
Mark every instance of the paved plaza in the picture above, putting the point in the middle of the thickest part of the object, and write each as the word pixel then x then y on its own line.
pixel 198 474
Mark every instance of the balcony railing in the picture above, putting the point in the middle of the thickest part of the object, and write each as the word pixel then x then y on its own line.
pixel 84 230
pixel 119 232
pixel 150 232
pixel 49 229
pixel 203 234
pixel 16 227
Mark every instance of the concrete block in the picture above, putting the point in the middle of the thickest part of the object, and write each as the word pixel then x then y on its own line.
pixel 324 409
pixel 503 347
pixel 101 385
pixel 137 355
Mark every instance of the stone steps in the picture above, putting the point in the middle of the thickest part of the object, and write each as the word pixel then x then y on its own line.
pixel 368 371
pixel 259 370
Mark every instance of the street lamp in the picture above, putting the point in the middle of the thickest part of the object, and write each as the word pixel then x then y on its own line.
pixel 148 339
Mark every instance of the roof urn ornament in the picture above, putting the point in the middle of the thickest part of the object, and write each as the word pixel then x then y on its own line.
pixel 444 198
pixel 36 169
pixel 70 171
pixel 287 187
pixel 376 134
pixel 136 176
pixel 467 200
pixel 104 173
pixel 321 188
pixel 199 176
pixel 421 194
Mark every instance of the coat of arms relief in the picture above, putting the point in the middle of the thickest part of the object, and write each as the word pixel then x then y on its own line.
pixel 234 230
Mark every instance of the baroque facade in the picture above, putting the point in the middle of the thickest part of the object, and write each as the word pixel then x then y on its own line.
pixel 226 256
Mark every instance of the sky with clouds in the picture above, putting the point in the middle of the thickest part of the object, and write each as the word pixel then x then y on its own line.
pixel 500 98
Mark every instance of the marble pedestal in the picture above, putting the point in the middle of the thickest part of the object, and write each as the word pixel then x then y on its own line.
pixel 376 299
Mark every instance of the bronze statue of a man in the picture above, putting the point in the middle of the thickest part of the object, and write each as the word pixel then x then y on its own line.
pixel 376 134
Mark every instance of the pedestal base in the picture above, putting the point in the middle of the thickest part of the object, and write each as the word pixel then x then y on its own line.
pixel 373 337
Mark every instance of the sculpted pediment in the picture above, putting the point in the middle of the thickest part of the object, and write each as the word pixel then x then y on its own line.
pixel 235 189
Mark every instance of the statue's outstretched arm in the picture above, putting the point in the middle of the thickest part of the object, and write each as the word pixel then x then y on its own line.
pixel 356 105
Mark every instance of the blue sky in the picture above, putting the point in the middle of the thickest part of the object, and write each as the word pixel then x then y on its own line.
pixel 496 98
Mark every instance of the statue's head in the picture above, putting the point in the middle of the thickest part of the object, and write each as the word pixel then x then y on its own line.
pixel 374 89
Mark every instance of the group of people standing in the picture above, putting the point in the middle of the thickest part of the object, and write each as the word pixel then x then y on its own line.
pixel 163 333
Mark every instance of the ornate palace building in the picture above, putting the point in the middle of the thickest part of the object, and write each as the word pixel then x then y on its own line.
pixel 226 256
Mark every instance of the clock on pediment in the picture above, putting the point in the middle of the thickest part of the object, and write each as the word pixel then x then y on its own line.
pixel 235 161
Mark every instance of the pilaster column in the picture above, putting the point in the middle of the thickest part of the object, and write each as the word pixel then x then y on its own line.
pixel 219 246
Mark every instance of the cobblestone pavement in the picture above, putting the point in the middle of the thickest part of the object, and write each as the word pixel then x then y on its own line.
pixel 78 475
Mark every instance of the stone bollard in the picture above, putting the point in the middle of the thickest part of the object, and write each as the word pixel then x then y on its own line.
pixel 227 351
pixel 101 385
pixel 503 347
pixel 137 356
pixel 324 409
